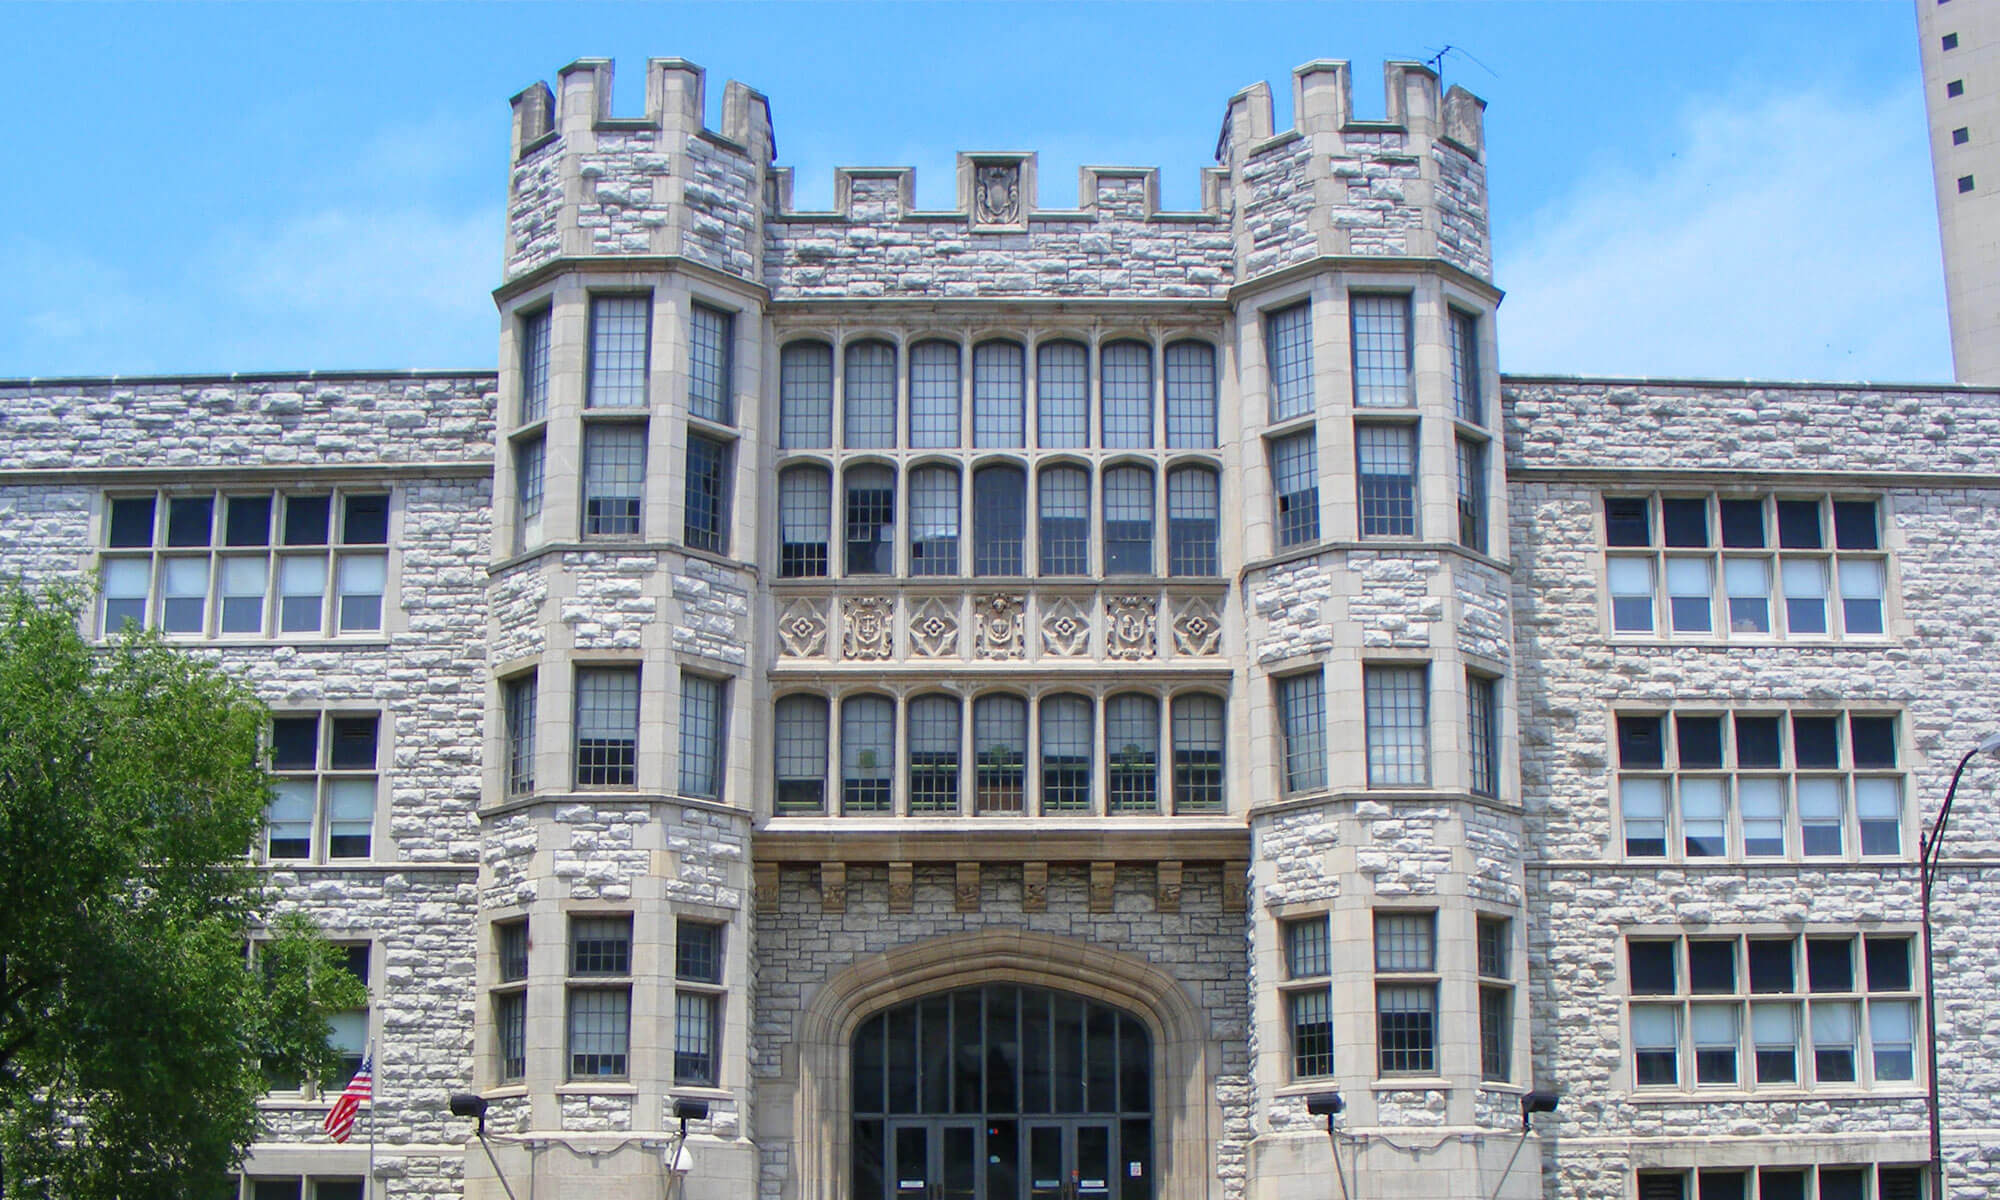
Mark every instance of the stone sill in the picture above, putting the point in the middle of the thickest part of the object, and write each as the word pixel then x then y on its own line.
pixel 366 867
pixel 1407 546
pixel 610 1087
pixel 1872 866
pixel 1389 796
pixel 1776 1096
pixel 1616 641
pixel 1412 1083
pixel 607 798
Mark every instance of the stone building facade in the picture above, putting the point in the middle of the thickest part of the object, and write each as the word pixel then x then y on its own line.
pixel 1020 701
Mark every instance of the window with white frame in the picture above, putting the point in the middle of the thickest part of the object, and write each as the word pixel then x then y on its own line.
pixel 530 462
pixel 999 395
pixel 1295 480
pixel 703 723
pixel 870 519
pixel 1806 1181
pixel 620 341
pixel 1191 400
pixel 1064 510
pixel 534 367
pixel 934 395
pixel 1302 724
pixel 705 524
pixel 698 1001
pixel 1754 567
pixel 600 996
pixel 1701 784
pixel 607 726
pixel 1308 996
pixel 1494 948
pixel 869 419
pixel 805 396
pixel 1386 479
pixel 301 1187
pixel 1396 706
pixel 1472 494
pixel 1482 732
pixel 710 389
pixel 1197 747
pixel 326 769
pixel 1062 396
pixel 1194 521
pixel 1128 521
pixel 801 746
pixel 252 564
pixel 999 520
pixel 1466 401
pixel 1406 993
pixel 614 478
pixel 348 1028
pixel 510 1000
pixel 518 701
pixel 1127 390
pixel 1744 1012
pixel 804 514
pixel 934 521
pixel 1288 357
pixel 1381 326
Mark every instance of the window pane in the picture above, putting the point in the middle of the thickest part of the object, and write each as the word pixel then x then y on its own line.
pixel 1715 1042
pixel 534 367
pixel 1748 582
pixel 247 523
pixel 869 422
pixel 1132 739
pixel 1774 1032
pixel 607 727
pixel 707 497
pixel 1288 355
pixel 801 754
pixel 694 1038
pixel 1398 718
pixel 1878 803
pixel 302 594
pixel 1763 804
pixel 350 818
pixel 1628 521
pixel 1197 743
pixel 1465 378
pixel 934 394
pixel 1822 812
pixel 1888 964
pixel 805 396
pixel 871 521
pixel 1483 733
pixel 600 945
pixel 1062 395
pixel 998 395
pixel 701 736
pixel 306 520
pixel 1066 743
pixel 1704 817
pixel 1194 517
pixel 1684 522
pixel 1652 968
pixel 999 520
pixel 530 461
pixel 361 581
pixel 1405 941
pixel 244 582
pixel 1190 387
pixel 1742 523
pixel 1854 526
pixel 1690 585
pixel 933 521
pixel 934 754
pixel 1128 395
pixel 1064 500
pixel 520 715
pixel 1631 583
pixel 1302 718
pixel 867 753
pixel 1128 521
pixel 1312 1033
pixel 618 351
pixel 365 520
pixel 599 1027
pixel 1862 586
pixel 1381 351
pixel 1386 458
pixel 1308 950
pixel 614 479
pixel 189 520
pixel 1472 494
pixel 130 522
pixel 804 512
pixel 1406 1027
pixel 184 595
pixel 1643 804
pixel 1000 748
pixel 1295 480
pixel 1798 525
pixel 710 392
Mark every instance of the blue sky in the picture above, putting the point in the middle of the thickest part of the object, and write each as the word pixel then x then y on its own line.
pixel 1713 189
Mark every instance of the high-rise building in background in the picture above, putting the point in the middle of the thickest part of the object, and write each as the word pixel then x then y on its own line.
pixel 1960 44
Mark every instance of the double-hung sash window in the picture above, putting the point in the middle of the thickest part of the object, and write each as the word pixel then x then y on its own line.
pixel 698 1001
pixel 620 342
pixel 607 726
pixel 1396 705
pixel 1288 358
pixel 1197 744
pixel 1493 938
pixel 614 478
pixel 324 792
pixel 870 520
pixel 1308 996
pixel 1381 327
pixel 1386 478
pixel 706 524
pixel 510 999
pixel 1406 993
pixel 600 996
pixel 1295 480
pixel 710 344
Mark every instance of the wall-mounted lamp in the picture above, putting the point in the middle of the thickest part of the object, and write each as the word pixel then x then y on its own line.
pixel 472 1104
pixel 1330 1105
pixel 677 1159
pixel 1539 1101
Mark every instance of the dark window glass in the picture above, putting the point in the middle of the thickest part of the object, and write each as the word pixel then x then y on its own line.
pixel 131 522
pixel 1662 1185
pixel 1757 742
pixel 1816 741
pixel 1899 1183
pixel 1829 964
pixel 306 520
pixel 247 521
pixel 871 521
pixel 1854 525
pixel 1684 522
pixel 1627 521
pixel 366 522
pixel 513 938
pixel 1639 744
pixel 1712 966
pixel 1874 740
pixel 1781 1185
pixel 707 510
pixel 1888 964
pixel 189 520
pixel 999 520
pixel 1652 964
pixel 1771 965
pixel 295 743
pixel 698 952
pixel 1842 1183
pixel 1700 741
pixel 353 743
pixel 1743 523
pixel 1798 525
pixel 1723 1185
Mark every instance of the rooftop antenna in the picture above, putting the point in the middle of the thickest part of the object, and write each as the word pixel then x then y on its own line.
pixel 1436 61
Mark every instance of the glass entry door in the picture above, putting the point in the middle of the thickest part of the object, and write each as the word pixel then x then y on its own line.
pixel 1009 1160
pixel 1070 1160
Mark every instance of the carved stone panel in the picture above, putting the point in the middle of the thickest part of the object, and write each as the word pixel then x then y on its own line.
pixel 1167 887
pixel 1235 886
pixel 1034 887
pixel 965 889
pixel 998 633
pixel 764 881
pixel 996 194
pixel 902 887
pixel 866 625
pixel 802 629
pixel 1197 627
pixel 934 629
pixel 1103 886
pixel 833 887
pixel 1129 627
pixel 1065 628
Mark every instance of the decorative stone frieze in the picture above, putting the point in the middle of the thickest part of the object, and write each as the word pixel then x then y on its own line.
pixel 867 625
pixel 1197 627
pixel 934 629
pixel 998 634
pixel 1129 631
pixel 1065 628
pixel 802 629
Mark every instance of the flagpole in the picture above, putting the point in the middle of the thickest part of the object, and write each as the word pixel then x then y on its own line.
pixel 374 1090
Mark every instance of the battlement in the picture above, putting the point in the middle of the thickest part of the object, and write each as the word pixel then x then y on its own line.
pixel 1323 103
pixel 675 96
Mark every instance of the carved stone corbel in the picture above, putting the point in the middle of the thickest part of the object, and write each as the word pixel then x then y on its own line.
pixel 833 887
pixel 965 889
pixel 1235 885
pixel 1034 887
pixel 1103 886
pixel 1167 887
pixel 902 887
pixel 764 884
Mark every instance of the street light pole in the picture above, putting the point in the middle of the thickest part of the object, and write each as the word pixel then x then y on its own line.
pixel 1928 850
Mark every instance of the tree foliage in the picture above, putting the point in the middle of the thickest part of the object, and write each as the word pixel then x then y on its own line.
pixel 134 1034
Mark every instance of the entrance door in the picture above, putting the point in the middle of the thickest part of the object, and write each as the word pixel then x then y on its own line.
pixel 934 1160
pixel 1070 1160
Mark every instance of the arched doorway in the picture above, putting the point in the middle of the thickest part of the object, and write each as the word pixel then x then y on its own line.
pixel 1002 1092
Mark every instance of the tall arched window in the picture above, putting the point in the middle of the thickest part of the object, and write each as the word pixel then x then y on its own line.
pixel 1067 727
pixel 1000 750
pixel 1194 517
pixel 801 755
pixel 999 520
pixel 1198 753
pixel 804 512
pixel 869 420
pixel 805 396
pixel 867 753
pixel 1190 379
pixel 1128 395
pixel 1128 521
pixel 934 395
pixel 1062 396
pixel 934 755
pixel 1064 504
pixel 871 521
pixel 999 394
pixel 934 521
pixel 1132 745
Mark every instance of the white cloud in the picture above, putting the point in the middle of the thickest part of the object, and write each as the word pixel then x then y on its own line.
pixel 1789 237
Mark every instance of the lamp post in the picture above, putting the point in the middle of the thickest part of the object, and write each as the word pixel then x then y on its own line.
pixel 1928 848
pixel 472 1104
pixel 1330 1105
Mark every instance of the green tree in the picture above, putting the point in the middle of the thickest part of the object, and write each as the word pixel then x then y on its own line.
pixel 134 1034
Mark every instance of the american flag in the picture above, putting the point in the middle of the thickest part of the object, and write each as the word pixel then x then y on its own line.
pixel 340 1118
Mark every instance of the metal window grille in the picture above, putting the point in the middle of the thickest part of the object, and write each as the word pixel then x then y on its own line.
pixel 607 726
pixel 1472 494
pixel 1197 742
pixel 1000 753
pixel 534 367
pixel 1466 399
pixel 600 1025
pixel 618 351
pixel 698 952
pixel 1381 351
pixel 529 460
pixel 999 395
pixel 694 1038
pixel 1062 395
pixel 1127 390
pixel 934 395
pixel 600 946
pixel 1288 356
pixel 706 524
pixel 510 1018
pixel 1308 948
pixel 323 799
pixel 1386 464
pixel 871 521
pixel 1302 717
pixel 1066 753
pixel 801 754
pixel 805 396
pixel 867 753
pixel 521 735
pixel 934 737
pixel 614 479
pixel 1065 521
pixel 1406 941
pixel 1132 742
pixel 1194 521
pixel 1190 390
pixel 1406 1027
pixel 1312 1033
pixel 702 724
pixel 1482 718
pixel 804 511
pixel 1128 521
pixel 869 420
pixel 934 521
pixel 1397 704
pixel 999 520
pixel 1295 478
pixel 710 392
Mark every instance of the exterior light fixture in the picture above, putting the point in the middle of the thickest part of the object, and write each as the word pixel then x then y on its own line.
pixel 677 1159
pixel 1538 1100
pixel 1330 1105
pixel 471 1104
